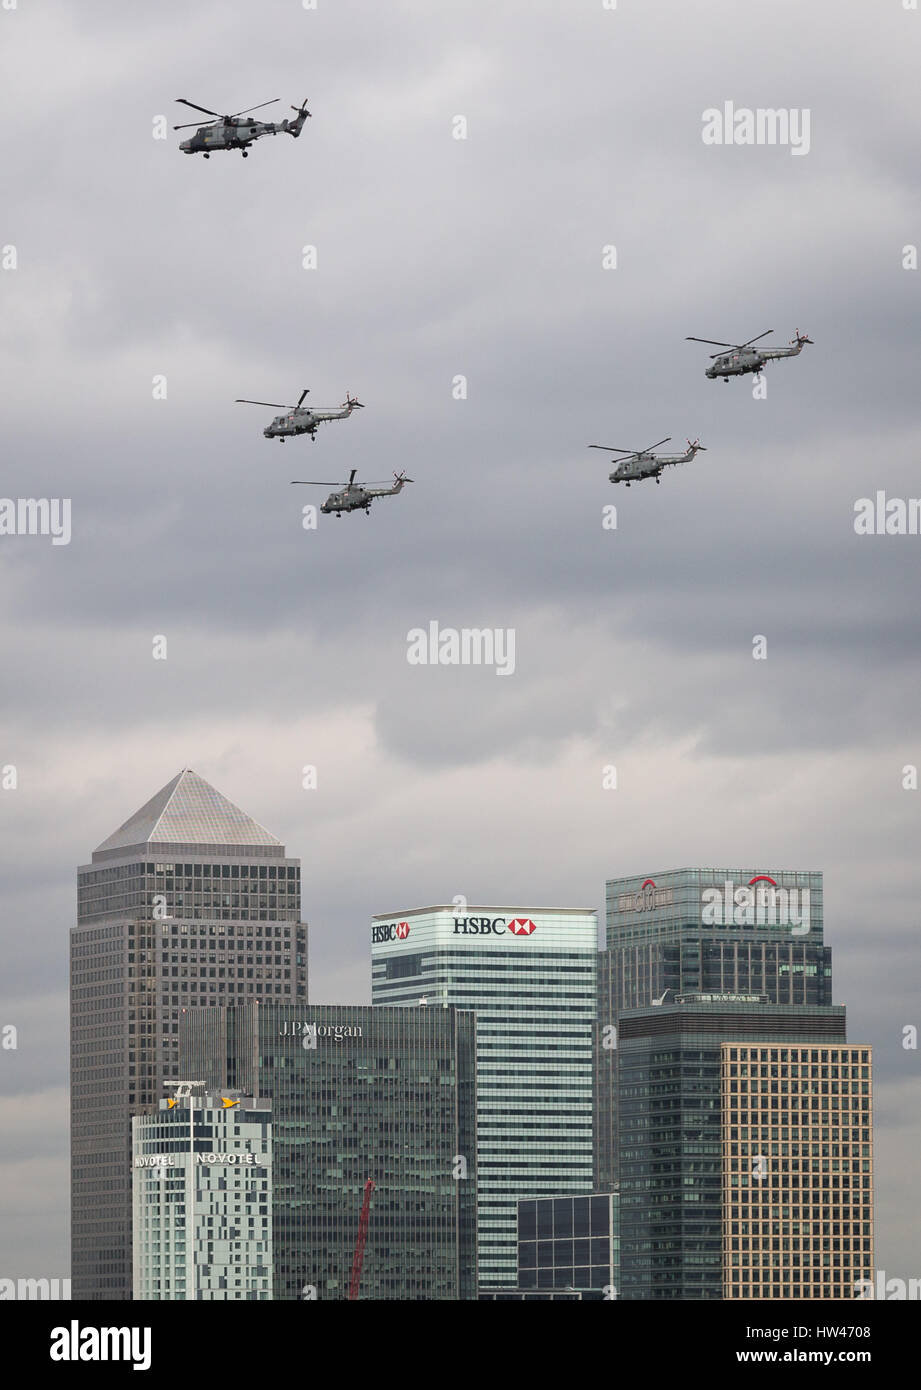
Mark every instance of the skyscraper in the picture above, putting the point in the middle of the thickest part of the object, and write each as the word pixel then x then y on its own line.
pixel 708 1172
pixel 358 1093
pixel 202 1219
pixel 706 930
pixel 529 974
pixel 189 903
pixel 798 1175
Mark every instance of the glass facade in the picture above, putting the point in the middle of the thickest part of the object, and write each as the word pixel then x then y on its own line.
pixel 529 974
pixel 162 926
pixel 720 931
pixel 570 1243
pixel 358 1093
pixel 202 1215
pixel 671 1134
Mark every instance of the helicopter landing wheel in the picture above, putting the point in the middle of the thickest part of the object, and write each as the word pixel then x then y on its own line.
pixel 207 156
pixel 367 511
pixel 245 154
pixel 658 481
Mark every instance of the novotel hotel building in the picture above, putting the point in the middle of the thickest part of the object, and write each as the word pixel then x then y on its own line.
pixel 202 1198
pixel 529 975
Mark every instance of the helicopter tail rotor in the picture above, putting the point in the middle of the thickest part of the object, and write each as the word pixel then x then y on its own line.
pixel 294 127
pixel 802 338
pixel 352 402
pixel 401 478
pixel 701 448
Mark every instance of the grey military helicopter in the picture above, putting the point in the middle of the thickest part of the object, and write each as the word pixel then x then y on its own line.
pixel 745 358
pixel 303 419
pixel 237 131
pixel 643 463
pixel 352 496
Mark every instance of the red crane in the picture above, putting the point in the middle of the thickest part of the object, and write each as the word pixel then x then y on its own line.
pixel 358 1257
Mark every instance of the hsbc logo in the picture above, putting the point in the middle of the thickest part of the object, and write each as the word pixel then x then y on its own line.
pixel 390 931
pixel 493 926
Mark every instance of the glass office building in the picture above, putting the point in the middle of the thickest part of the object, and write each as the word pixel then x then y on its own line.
pixel 673 1132
pixel 358 1093
pixel 707 930
pixel 529 973
pixel 202 1218
pixel 797 1139
pixel 570 1243
pixel 191 902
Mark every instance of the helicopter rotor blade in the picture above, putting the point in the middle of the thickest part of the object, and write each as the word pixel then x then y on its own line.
pixel 195 107
pixel 754 340
pixel 247 109
pixel 610 449
pixel 312 482
pixel 656 445
pixel 714 342
pixel 352 476
pixel 273 405
pixel 301 397
pixel 202 125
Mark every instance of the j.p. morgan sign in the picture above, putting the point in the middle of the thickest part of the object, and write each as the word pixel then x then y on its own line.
pixel 335 1031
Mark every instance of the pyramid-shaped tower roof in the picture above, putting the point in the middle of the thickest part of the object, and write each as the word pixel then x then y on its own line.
pixel 189 811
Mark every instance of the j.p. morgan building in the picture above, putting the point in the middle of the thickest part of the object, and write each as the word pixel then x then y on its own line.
pixel 529 974
pixel 358 1093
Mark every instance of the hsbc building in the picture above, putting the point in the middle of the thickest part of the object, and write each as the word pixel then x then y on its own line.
pixel 529 975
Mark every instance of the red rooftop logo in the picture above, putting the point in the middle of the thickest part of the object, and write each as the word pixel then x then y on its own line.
pixel 402 930
pixel 522 926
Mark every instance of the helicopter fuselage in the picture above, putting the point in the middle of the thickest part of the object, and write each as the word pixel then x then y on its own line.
pixel 635 469
pixel 226 137
pixel 238 132
pixel 650 465
pixel 295 422
pixel 350 499
pixel 736 364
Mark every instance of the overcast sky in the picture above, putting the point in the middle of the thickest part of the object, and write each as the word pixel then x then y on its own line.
pixel 439 258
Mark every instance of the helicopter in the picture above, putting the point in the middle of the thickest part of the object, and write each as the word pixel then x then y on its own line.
pixel 643 463
pixel 303 420
pixel 354 496
pixel 745 358
pixel 234 133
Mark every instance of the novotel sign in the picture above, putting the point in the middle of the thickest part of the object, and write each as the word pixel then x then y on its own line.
pixel 170 1160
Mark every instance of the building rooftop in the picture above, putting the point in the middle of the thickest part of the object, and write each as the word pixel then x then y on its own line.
pixel 189 811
